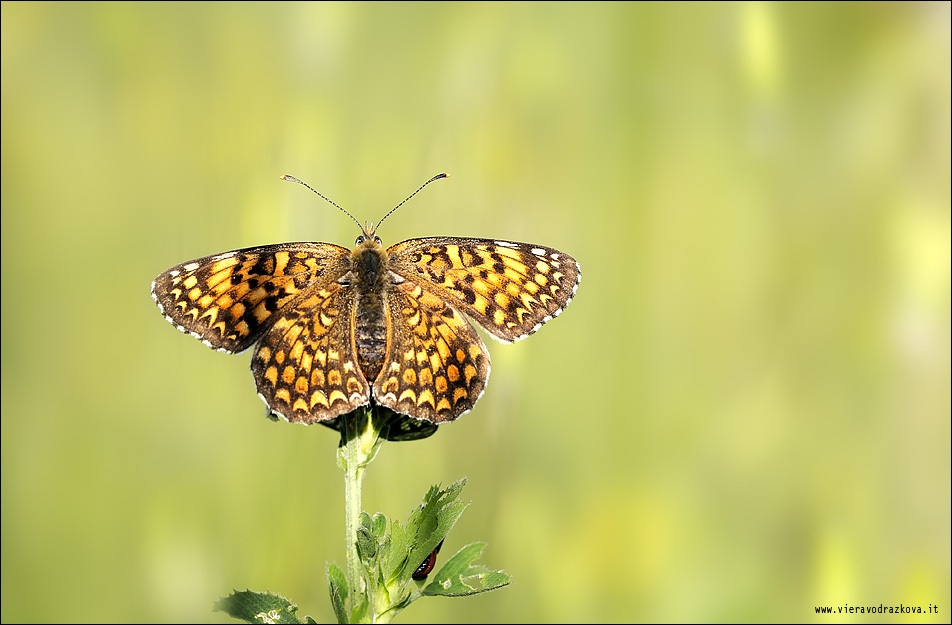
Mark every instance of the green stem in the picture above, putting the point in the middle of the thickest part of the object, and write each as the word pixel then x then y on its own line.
pixel 353 474
pixel 360 441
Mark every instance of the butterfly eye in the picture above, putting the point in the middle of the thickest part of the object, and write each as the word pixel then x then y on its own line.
pixel 359 240
pixel 377 240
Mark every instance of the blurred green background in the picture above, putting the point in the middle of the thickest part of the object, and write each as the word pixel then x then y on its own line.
pixel 743 415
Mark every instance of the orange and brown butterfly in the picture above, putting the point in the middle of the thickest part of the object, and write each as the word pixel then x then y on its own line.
pixel 336 329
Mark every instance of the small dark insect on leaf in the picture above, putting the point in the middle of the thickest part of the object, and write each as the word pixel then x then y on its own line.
pixel 426 567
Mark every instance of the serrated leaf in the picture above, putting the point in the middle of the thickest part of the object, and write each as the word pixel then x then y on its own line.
pixel 366 544
pixel 394 558
pixel 445 518
pixel 430 523
pixel 259 607
pixel 461 561
pixel 337 584
pixel 383 555
pixel 459 577
pixel 379 525
pixel 454 489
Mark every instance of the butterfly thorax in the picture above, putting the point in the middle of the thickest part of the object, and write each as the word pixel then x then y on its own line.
pixel 369 274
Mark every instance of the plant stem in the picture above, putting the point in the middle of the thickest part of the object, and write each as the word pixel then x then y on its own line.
pixel 353 474
pixel 360 441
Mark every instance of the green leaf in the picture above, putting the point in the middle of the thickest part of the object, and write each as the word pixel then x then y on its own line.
pixel 395 556
pixel 359 614
pixel 390 556
pixel 430 523
pixel 454 489
pixel 366 544
pixel 366 540
pixel 379 525
pixel 259 607
pixel 459 577
pixel 366 522
pixel 337 584
pixel 384 549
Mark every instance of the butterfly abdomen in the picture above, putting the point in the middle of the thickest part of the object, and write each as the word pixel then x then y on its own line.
pixel 370 335
pixel 370 327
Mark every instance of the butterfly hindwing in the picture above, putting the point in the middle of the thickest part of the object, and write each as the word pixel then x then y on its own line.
pixel 304 366
pixel 437 366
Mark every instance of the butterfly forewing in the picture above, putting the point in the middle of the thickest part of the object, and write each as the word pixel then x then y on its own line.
pixel 509 288
pixel 228 300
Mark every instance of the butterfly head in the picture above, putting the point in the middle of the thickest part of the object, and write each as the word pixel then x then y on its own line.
pixel 368 235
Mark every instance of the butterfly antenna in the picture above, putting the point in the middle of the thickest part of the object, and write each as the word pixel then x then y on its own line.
pixel 436 177
pixel 293 179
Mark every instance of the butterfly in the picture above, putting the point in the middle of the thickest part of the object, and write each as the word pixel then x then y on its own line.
pixel 334 329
